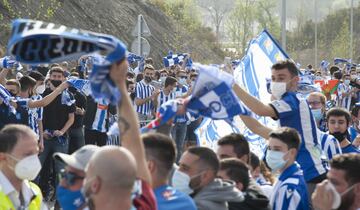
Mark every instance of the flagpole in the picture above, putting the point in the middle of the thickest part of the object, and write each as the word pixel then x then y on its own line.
pixel 316 35
pixel 351 28
pixel 283 24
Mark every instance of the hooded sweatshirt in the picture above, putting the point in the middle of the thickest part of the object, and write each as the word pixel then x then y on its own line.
pixel 216 195
pixel 254 199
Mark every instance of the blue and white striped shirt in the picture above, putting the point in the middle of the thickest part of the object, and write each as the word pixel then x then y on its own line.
pixel 293 111
pixel 101 116
pixel 35 115
pixel 143 90
pixel 162 98
pixel 343 101
pixel 290 191
pixel 329 145
pixel 180 92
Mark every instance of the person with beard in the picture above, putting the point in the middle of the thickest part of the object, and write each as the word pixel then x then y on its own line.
pixel 354 129
pixel 197 176
pixel 341 190
pixel 145 96
pixel 338 121
pixel 57 119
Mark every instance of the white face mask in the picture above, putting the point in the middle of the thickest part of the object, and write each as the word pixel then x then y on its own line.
pixel 278 89
pixel 347 82
pixel 275 160
pixel 28 167
pixel 162 79
pixel 182 81
pixel 337 196
pixel 40 89
pixel 181 182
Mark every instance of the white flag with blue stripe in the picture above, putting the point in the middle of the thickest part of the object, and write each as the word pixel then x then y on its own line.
pixel 254 74
pixel 213 96
pixel 210 131
pixel 173 59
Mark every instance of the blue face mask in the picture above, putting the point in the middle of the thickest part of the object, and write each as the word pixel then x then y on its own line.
pixel 317 113
pixel 69 200
pixel 275 160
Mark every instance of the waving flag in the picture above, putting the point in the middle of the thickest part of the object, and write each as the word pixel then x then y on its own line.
pixel 173 59
pixel 254 73
pixel 210 131
pixel 341 60
pixel 324 65
pixel 81 84
pixel 5 98
pixel 36 42
pixel 132 58
pixel 213 96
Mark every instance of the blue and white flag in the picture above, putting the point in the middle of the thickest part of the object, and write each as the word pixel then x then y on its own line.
pixel 213 96
pixel 324 65
pixel 173 59
pixel 36 42
pixel 8 62
pixel 210 131
pixel 81 84
pixel 132 58
pixel 341 60
pixel 66 99
pixel 5 98
pixel 254 74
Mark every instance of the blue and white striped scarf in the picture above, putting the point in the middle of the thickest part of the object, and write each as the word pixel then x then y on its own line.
pixel 5 97
pixel 36 42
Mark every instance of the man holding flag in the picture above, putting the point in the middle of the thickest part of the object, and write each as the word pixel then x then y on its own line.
pixel 292 111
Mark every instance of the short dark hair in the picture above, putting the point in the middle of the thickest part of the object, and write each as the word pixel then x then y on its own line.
pixel 161 149
pixel 338 75
pixel 207 157
pixel 149 61
pixel 355 110
pixel 129 82
pixel 139 77
pixel 338 112
pixel 333 69
pixel 286 64
pixel 27 82
pixel 350 163
pixel 37 76
pixel 254 160
pixel 57 69
pixel 130 74
pixel 193 74
pixel 236 170
pixel 239 143
pixel 287 135
pixel 170 81
pixel 10 134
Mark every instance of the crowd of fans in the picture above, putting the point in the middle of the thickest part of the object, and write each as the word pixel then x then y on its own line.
pixel 55 148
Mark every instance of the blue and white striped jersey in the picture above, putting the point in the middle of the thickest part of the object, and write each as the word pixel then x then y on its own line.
pixel 143 90
pixel 290 191
pixel 180 92
pixel 343 101
pixel 162 98
pixel 293 111
pixel 101 116
pixel 35 115
pixel 329 145
pixel 350 149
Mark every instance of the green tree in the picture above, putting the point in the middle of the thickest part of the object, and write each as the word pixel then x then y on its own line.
pixel 240 25
pixel 340 45
pixel 265 16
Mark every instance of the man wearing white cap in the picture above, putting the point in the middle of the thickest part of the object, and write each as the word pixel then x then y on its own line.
pixel 68 192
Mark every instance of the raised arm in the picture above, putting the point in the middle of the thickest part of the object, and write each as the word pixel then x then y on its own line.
pixel 128 122
pixel 253 103
pixel 49 98
pixel 256 127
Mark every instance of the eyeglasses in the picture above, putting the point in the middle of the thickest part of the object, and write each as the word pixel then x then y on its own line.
pixel 69 177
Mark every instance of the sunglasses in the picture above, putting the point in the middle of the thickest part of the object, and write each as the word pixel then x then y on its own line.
pixel 69 177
